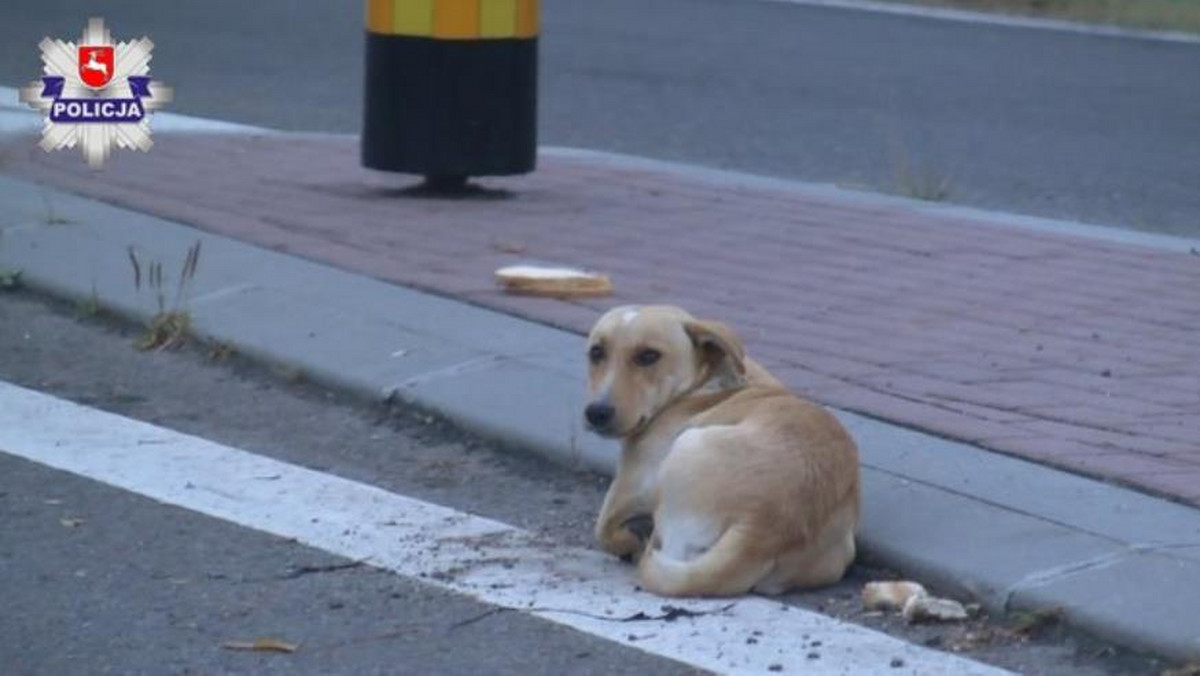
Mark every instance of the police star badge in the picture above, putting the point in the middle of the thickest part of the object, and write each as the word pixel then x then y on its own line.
pixel 96 94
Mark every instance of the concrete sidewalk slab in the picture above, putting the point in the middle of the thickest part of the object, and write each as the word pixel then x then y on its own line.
pixel 1010 333
pixel 1015 534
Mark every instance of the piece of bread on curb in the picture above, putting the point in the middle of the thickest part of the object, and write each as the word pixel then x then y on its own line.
pixel 933 609
pixel 890 595
pixel 559 282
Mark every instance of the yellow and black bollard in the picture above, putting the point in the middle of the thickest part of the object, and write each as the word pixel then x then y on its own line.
pixel 451 88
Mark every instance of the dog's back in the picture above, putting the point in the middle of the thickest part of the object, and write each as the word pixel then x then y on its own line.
pixel 760 492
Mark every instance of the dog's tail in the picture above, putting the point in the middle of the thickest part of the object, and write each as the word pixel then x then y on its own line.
pixel 731 566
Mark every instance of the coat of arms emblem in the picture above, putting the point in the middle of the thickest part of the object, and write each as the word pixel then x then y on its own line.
pixel 96 65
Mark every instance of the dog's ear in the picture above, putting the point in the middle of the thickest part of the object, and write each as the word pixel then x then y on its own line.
pixel 719 347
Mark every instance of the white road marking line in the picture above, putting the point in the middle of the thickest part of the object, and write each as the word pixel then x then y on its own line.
pixel 997 19
pixel 490 561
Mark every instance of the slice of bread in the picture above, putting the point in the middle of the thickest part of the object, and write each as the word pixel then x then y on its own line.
pixel 535 280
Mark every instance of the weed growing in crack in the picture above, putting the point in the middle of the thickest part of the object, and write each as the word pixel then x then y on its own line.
pixel 171 325
pixel 89 306
pixel 221 352
pixel 923 184
pixel 52 217
pixel 10 278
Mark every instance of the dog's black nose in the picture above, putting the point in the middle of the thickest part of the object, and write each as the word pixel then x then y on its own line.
pixel 599 414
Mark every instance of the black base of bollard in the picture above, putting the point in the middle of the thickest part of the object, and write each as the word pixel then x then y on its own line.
pixel 451 188
pixel 445 184
pixel 450 108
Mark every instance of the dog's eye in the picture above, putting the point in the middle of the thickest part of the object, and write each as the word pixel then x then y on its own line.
pixel 596 354
pixel 647 357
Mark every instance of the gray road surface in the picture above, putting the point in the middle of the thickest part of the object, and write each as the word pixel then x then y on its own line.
pixel 142 588
pixel 1099 129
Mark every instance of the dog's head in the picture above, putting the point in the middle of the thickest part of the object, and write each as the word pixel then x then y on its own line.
pixel 643 358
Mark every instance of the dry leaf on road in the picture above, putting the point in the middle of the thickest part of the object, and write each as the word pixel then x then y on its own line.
pixel 264 644
pixel 1030 623
pixel 509 247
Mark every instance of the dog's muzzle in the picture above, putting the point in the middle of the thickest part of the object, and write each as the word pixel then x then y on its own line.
pixel 600 416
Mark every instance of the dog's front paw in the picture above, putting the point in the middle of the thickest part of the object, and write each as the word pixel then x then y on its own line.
pixel 621 543
pixel 641 526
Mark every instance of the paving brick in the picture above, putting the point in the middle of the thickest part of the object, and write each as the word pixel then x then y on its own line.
pixel 813 385
pixel 1184 484
pixel 1133 466
pixel 1114 438
pixel 1060 349
pixel 1180 426
pixel 1124 413
pixel 1042 448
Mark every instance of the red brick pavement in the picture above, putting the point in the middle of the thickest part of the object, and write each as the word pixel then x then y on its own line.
pixel 1070 351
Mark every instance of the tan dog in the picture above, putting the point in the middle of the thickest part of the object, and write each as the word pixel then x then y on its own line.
pixel 727 482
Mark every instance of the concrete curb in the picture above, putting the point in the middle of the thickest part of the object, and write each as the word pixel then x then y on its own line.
pixel 1124 566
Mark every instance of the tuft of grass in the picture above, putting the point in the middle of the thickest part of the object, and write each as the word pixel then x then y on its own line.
pixel 1189 669
pixel 925 183
pixel 90 306
pixel 221 352
pixel 52 217
pixel 164 331
pixel 171 325
pixel 10 280
pixel 292 375
pixel 913 174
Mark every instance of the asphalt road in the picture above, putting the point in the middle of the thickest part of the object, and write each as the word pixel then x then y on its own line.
pixel 1103 130
pixel 141 588
pixel 96 580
